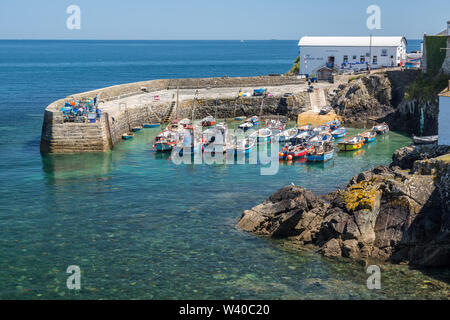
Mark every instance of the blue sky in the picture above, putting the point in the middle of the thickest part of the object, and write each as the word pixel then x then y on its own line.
pixel 213 19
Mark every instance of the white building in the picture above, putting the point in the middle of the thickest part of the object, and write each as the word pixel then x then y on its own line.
pixel 444 117
pixel 350 53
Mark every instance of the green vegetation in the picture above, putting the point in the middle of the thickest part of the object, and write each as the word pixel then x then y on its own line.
pixel 426 87
pixel 296 67
pixel 435 56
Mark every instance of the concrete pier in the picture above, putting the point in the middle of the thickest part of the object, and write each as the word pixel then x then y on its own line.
pixel 129 105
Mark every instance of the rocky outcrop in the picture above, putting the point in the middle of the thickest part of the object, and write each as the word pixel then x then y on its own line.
pixel 398 213
pixel 364 98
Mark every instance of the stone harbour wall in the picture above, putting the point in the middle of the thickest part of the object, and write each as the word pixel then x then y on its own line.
pixel 60 137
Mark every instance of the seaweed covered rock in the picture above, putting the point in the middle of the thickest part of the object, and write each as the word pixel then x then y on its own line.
pixel 387 213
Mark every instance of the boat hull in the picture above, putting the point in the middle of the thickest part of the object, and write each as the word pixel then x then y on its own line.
pixel 369 139
pixel 320 157
pixel 151 125
pixel 350 146
pixel 163 147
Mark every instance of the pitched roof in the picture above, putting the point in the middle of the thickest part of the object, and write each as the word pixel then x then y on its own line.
pixel 350 41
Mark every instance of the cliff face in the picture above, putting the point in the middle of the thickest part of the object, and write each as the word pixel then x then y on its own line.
pixel 365 97
pixel 398 213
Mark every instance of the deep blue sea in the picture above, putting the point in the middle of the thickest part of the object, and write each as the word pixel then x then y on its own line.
pixel 136 224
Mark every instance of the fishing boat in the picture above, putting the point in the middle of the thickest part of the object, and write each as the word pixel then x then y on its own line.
pixel 151 125
pixel 190 140
pixel 262 135
pixel 321 153
pixel 286 135
pixel 185 122
pixel 334 124
pixel 425 139
pixel 208 121
pixel 302 136
pixel 381 128
pixel 215 139
pixel 128 136
pixel 135 129
pixel 369 136
pixel 305 127
pixel 322 129
pixel 351 143
pixel 339 133
pixel 166 140
pixel 240 147
pixel 239 118
pixel 290 152
pixel 276 126
pixel 246 125
pixel 322 138
pixel 254 120
pixel 325 110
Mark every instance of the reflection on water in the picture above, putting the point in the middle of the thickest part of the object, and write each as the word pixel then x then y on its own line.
pixel 140 226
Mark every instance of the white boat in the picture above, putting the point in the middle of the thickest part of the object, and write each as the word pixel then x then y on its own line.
pixel 286 135
pixel 262 135
pixel 276 126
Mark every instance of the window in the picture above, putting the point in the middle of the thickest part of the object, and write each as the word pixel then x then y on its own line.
pixel 362 59
pixel 345 59
pixel 384 52
pixel 375 60
pixel 354 57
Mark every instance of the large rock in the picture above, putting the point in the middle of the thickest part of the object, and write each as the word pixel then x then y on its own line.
pixel 399 213
pixel 363 98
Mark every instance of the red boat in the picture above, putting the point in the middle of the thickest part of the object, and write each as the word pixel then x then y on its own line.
pixel 209 121
pixel 294 152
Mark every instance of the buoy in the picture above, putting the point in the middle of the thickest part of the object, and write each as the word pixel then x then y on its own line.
pixel 289 156
pixel 281 154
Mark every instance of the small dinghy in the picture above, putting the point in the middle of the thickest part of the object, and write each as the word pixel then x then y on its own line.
pixel 322 129
pixel 128 136
pixel 185 122
pixel 276 126
pixel 286 135
pixel 322 138
pixel 165 141
pixel 300 137
pixel 369 136
pixel 425 139
pixel 240 147
pixel 325 110
pixel 306 127
pixel 381 128
pixel 151 125
pixel 239 118
pixel 136 129
pixel 351 143
pixel 262 135
pixel 321 153
pixel 339 133
pixel 334 124
pixel 208 121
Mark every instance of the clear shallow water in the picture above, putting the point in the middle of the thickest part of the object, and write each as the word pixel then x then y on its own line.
pixel 138 225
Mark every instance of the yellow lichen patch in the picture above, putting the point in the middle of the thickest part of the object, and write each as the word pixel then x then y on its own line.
pixel 361 196
pixel 444 158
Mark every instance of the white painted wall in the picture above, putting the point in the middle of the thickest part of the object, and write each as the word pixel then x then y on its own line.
pixel 317 57
pixel 444 121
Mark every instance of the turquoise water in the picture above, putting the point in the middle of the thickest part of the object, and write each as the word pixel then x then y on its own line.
pixel 140 226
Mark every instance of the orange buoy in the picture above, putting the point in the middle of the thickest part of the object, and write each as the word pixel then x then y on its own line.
pixel 289 156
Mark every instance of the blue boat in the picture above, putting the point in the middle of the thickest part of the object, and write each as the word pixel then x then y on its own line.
pixel 339 133
pixel 151 125
pixel 135 129
pixel 320 156
pixel 321 153
pixel 334 124
pixel 369 136
pixel 127 136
